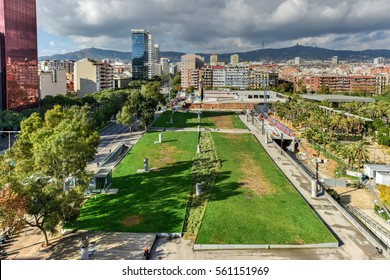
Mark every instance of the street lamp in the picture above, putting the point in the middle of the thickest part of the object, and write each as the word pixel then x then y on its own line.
pixel 9 135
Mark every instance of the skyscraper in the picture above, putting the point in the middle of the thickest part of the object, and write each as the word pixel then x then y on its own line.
pixel 145 55
pixel 18 54
pixel 140 57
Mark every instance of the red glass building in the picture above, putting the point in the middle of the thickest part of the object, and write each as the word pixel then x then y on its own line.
pixel 18 54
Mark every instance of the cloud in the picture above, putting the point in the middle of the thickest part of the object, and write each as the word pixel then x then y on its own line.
pixel 52 44
pixel 219 26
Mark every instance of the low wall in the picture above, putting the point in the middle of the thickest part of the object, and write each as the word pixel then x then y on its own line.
pixel 200 247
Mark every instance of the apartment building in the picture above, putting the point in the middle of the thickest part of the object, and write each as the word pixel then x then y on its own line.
pixel 237 76
pixel 52 83
pixel 342 83
pixel 92 76
pixel 218 76
pixel 258 76
pixel 234 59
pixel 188 63
pixel 382 82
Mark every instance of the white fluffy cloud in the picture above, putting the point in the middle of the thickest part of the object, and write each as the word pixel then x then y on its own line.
pixel 218 26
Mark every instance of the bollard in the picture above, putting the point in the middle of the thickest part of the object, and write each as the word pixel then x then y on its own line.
pixel 146 163
pixel 198 189
pixel 160 138
pixel 313 188
pixel 198 149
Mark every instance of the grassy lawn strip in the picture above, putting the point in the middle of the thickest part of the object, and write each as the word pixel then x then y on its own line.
pixel 180 120
pixel 204 170
pixel 146 202
pixel 227 120
pixel 253 203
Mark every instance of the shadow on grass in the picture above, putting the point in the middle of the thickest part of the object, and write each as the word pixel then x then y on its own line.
pixel 224 190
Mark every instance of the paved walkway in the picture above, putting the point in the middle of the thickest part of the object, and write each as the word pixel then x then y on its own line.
pixel 103 245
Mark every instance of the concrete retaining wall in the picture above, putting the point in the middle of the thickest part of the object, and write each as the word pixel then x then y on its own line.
pixel 200 247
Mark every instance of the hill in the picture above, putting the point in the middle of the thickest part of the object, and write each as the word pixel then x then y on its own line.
pixel 275 55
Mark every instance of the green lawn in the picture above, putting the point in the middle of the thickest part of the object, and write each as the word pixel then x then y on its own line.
pixel 152 202
pixel 243 211
pixel 208 119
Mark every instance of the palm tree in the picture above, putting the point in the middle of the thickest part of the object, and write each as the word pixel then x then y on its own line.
pixel 360 152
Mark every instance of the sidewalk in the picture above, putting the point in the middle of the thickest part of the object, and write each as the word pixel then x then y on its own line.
pixel 353 244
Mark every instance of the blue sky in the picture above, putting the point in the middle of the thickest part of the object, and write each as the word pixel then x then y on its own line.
pixel 213 26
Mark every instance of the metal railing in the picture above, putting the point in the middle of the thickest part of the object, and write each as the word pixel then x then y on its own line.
pixel 379 231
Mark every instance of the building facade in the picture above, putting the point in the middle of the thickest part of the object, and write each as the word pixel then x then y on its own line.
pixel 218 76
pixel 19 81
pixel 92 76
pixel 339 83
pixel 188 63
pixel 140 57
pixel 234 59
pixel 52 83
pixel 237 76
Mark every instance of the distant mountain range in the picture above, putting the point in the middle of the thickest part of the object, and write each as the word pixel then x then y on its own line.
pixel 272 55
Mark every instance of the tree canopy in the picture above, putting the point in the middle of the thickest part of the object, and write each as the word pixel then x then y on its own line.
pixel 47 152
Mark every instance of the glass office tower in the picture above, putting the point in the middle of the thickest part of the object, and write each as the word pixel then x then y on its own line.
pixel 18 54
pixel 139 54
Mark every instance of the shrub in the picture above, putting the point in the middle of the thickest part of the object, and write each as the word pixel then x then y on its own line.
pixel 334 194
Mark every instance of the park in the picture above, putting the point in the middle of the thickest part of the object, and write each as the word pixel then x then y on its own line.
pixel 248 201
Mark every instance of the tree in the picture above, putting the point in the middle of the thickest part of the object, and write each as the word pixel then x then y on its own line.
pixel 140 107
pixel 152 90
pixel 176 83
pixel 46 153
pixel 324 89
pixel 360 152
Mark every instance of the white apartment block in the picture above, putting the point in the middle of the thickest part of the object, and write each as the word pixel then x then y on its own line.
pixel 237 76
pixel 52 83
pixel 219 79
pixel 151 57
pixel 92 76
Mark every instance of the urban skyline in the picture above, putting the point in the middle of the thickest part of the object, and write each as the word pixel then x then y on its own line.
pixel 221 27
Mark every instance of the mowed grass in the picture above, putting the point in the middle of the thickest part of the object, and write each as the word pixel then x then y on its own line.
pixel 255 209
pixel 209 119
pixel 146 202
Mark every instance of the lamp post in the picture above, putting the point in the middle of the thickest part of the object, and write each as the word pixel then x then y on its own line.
pixel 9 135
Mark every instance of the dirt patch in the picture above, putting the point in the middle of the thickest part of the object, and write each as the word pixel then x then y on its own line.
pixel 361 198
pixel 326 170
pixel 132 221
pixel 222 121
pixel 253 178
pixel 165 156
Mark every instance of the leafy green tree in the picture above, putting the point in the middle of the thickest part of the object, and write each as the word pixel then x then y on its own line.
pixel 176 83
pixel 152 90
pixel 140 107
pixel 46 153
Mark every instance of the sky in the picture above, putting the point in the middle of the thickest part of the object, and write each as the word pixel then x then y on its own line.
pixel 213 26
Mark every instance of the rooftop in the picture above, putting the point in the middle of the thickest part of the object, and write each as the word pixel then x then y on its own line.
pixel 336 98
